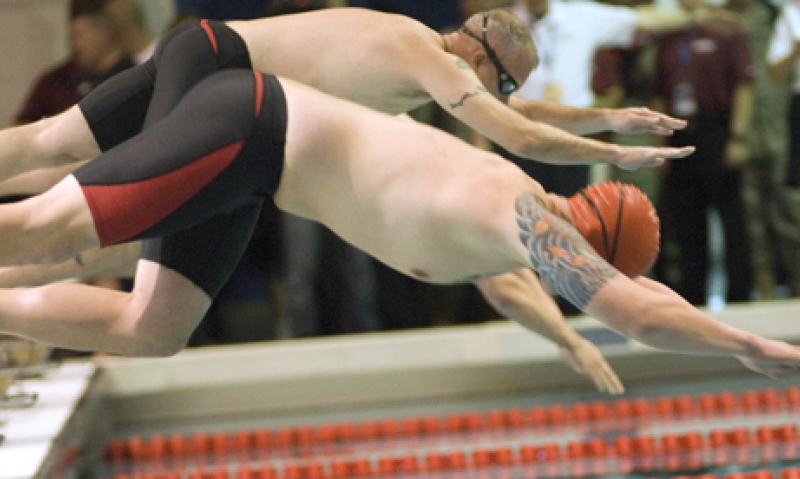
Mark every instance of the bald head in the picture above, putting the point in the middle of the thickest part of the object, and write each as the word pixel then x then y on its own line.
pixel 509 37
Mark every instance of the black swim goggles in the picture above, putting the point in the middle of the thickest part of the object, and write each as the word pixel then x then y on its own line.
pixel 505 82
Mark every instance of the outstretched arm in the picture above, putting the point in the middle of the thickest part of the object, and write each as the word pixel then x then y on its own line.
pixel 641 309
pixel 519 296
pixel 584 121
pixel 456 87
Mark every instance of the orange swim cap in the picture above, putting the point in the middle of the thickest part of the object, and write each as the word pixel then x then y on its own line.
pixel 620 223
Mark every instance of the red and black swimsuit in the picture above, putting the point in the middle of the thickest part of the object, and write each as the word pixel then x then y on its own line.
pixel 188 176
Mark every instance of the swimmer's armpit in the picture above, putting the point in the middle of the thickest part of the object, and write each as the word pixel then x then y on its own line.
pixel 559 254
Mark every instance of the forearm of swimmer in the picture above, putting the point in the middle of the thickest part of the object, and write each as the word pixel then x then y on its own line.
pixel 559 254
pixel 528 138
pixel 579 121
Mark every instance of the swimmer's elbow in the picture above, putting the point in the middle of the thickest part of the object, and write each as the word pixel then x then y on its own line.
pixel 627 314
pixel 641 327
pixel 524 145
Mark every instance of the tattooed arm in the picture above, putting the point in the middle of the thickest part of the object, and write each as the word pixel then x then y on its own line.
pixel 455 86
pixel 643 309
pixel 519 296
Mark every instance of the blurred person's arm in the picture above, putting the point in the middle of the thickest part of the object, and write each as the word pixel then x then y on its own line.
pixel 736 152
pixel 657 20
pixel 784 48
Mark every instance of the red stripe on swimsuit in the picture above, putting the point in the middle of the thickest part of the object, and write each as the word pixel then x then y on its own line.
pixel 259 92
pixel 123 211
pixel 211 37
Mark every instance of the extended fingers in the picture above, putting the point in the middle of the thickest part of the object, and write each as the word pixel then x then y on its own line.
pixel 604 378
pixel 682 152
pixel 650 121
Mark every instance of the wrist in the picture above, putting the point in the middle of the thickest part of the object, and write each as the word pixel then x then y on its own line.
pixel 752 346
pixel 606 119
pixel 571 340
pixel 617 154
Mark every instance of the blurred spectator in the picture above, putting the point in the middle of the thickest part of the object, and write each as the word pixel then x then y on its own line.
pixel 128 17
pixel 783 67
pixel 608 84
pixel 95 54
pixel 784 57
pixel 568 35
pixel 775 258
pixel 704 76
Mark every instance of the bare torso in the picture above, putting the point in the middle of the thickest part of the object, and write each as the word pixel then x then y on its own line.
pixel 359 55
pixel 421 201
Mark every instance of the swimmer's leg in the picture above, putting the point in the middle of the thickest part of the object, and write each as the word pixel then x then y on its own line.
pixel 155 319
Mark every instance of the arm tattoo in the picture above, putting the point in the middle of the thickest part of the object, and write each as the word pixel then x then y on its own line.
pixel 559 254
pixel 79 260
pixel 478 91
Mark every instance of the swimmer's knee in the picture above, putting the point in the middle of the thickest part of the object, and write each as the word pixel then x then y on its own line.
pixel 160 317
pixel 155 346
pixel 151 332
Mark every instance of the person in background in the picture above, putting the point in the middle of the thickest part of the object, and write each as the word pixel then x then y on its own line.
pixel 705 77
pixel 128 17
pixel 783 67
pixel 772 209
pixel 568 35
pixel 95 55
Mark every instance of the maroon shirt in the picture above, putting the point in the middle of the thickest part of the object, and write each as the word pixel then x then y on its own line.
pixel 714 63
pixel 606 73
pixel 59 88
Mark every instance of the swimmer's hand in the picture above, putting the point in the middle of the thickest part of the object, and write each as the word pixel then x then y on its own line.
pixel 776 359
pixel 634 157
pixel 586 359
pixel 641 120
